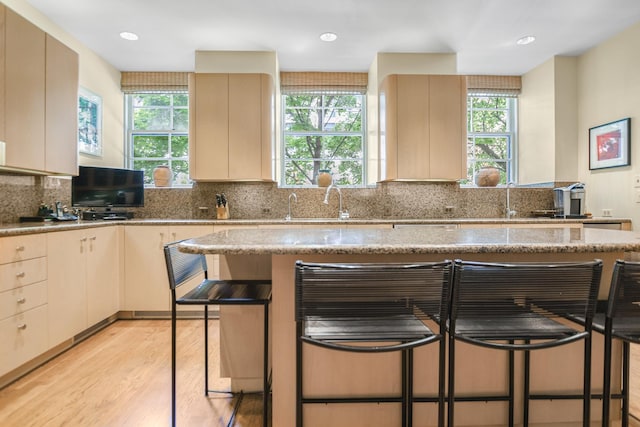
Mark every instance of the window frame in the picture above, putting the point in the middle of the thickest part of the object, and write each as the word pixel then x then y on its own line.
pixel 511 135
pixel 130 132
pixel 362 134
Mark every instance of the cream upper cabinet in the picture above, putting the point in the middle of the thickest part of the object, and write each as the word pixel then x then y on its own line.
pixel 423 127
pixel 38 115
pixel 231 126
pixel 24 101
pixel 61 108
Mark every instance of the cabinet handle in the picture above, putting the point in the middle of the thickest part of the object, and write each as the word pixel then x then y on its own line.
pixel 92 238
pixel 22 300
pixel 22 326
pixel 21 274
pixel 173 237
pixel 20 248
pixel 84 239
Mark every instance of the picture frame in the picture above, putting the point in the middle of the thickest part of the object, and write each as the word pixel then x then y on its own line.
pixel 609 144
pixel 89 123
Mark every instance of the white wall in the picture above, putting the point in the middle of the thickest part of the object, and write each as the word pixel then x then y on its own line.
pixel 609 90
pixel 96 75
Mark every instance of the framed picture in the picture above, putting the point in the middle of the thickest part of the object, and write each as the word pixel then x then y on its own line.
pixel 609 145
pixel 89 123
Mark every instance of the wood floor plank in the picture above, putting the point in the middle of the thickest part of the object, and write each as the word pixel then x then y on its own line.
pixel 121 377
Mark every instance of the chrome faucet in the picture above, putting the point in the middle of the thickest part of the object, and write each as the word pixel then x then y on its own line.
pixel 295 197
pixel 341 214
pixel 510 213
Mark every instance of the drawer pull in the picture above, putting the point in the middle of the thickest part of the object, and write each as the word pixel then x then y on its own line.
pixel 22 300
pixel 21 274
pixel 22 326
pixel 20 248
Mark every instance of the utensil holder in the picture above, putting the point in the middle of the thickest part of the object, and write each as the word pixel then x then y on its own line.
pixel 222 212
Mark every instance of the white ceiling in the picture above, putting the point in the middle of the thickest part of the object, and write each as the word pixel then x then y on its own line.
pixel 482 32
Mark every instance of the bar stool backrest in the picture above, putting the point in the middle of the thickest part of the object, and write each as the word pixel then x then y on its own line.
pixel 506 293
pixel 371 290
pixel 182 266
pixel 624 294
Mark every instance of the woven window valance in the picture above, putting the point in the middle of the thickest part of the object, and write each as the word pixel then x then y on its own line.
pixel 504 85
pixel 320 81
pixel 134 81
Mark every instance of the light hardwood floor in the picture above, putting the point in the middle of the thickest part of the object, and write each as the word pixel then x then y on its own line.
pixel 121 377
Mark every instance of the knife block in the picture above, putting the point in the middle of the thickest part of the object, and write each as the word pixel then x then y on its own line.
pixel 222 212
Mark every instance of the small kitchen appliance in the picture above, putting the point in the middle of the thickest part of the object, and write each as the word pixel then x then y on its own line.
pixel 569 202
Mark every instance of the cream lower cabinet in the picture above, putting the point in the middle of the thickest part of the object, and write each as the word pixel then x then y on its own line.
pixel 146 287
pixel 83 280
pixel 23 300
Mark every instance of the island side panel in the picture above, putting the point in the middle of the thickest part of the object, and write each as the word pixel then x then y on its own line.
pixel 492 377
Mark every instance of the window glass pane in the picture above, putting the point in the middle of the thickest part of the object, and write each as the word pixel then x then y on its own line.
pixel 151 100
pixel 151 119
pixel 179 146
pixel 147 166
pixel 180 100
pixel 181 119
pixel 180 172
pixel 150 145
pixel 490 121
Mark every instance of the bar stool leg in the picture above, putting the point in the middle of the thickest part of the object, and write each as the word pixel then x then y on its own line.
pixel 451 381
pixel 512 371
pixel 265 368
pixel 586 398
pixel 206 350
pixel 626 353
pixel 527 387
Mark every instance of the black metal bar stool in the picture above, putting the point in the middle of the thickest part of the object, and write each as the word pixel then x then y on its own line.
pixel 345 306
pixel 620 321
pixel 181 268
pixel 522 306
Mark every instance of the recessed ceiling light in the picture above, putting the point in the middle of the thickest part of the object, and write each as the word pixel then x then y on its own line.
pixel 328 37
pixel 525 40
pixel 128 36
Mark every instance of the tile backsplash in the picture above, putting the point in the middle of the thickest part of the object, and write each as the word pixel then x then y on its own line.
pixel 22 195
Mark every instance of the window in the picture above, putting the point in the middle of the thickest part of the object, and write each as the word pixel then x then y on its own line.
pixel 323 130
pixel 158 133
pixel 491 135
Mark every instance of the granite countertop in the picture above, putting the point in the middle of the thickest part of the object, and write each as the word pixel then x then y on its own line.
pixel 412 241
pixel 45 227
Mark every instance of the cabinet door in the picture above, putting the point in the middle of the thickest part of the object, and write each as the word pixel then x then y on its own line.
pixel 61 108
pixel 145 274
pixel 209 127
pixel 447 127
pixel 245 126
pixel 67 292
pixel 103 265
pixel 24 90
pixel 413 127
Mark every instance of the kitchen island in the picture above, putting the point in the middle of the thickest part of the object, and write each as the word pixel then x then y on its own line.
pixel 479 370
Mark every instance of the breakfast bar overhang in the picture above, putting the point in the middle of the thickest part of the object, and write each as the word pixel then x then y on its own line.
pixel 479 370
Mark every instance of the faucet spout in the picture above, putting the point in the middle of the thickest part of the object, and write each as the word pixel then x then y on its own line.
pixel 295 198
pixel 341 214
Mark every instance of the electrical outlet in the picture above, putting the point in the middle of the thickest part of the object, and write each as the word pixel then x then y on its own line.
pixel 637 196
pixel 636 181
pixel 606 212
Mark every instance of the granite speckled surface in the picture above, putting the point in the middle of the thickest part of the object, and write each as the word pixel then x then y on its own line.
pixel 413 241
pixel 265 200
pixel 15 229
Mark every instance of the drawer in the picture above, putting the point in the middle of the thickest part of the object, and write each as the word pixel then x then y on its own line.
pixel 24 298
pixel 22 273
pixel 17 248
pixel 23 337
